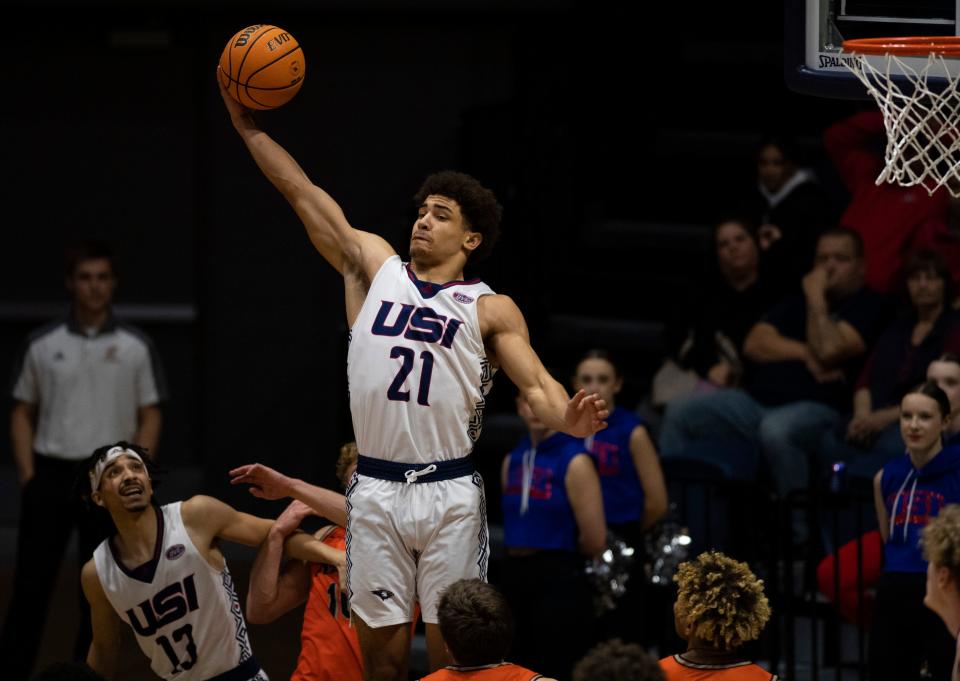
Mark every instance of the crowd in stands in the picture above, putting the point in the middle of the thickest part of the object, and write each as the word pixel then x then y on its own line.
pixel 826 337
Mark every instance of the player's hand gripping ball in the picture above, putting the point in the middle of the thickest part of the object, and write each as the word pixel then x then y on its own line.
pixel 262 67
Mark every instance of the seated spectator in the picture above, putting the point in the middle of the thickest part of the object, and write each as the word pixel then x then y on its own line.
pixel 892 220
pixel 552 518
pixel 804 354
pixel 706 339
pixel 940 541
pixel 908 492
pixel 791 210
pixel 898 361
pixel 720 606
pixel 617 661
pixel 477 629
pixel 634 492
pixel 945 372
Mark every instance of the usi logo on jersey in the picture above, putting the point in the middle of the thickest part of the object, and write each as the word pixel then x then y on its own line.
pixel 167 606
pixel 415 323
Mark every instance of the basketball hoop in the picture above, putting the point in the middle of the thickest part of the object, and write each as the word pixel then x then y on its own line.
pixel 917 88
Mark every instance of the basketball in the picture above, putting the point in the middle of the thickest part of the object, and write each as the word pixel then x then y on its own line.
pixel 262 67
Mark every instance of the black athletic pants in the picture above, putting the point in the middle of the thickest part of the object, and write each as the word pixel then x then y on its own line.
pixel 552 608
pixel 906 636
pixel 48 513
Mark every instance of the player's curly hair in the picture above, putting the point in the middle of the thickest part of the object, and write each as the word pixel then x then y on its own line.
pixel 721 600
pixel 941 540
pixel 478 204
pixel 348 457
pixel 615 660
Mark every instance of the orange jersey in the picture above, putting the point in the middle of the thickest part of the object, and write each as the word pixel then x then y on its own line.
pixel 329 649
pixel 676 668
pixel 504 671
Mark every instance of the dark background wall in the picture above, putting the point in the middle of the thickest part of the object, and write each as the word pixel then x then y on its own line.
pixel 583 118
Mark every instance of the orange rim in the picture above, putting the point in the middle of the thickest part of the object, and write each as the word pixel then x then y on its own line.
pixel 910 46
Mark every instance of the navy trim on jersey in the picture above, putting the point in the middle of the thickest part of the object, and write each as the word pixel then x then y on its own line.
pixel 395 471
pixel 428 289
pixel 142 573
pixel 245 671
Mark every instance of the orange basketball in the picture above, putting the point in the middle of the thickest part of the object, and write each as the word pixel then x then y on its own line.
pixel 262 67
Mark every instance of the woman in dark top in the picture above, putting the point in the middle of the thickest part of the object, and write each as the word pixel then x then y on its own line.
pixel 898 361
pixel 709 337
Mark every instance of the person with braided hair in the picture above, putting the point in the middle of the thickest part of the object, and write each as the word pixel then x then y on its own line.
pixel 720 606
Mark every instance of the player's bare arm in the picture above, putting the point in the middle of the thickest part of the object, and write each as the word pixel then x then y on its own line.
pixel 277 587
pixel 354 253
pixel 105 646
pixel 207 519
pixel 507 341
pixel 267 483
pixel 583 491
pixel 647 464
pixel 23 422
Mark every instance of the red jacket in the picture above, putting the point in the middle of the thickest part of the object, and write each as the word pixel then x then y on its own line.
pixel 893 220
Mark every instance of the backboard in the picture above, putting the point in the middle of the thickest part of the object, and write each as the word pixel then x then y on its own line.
pixel 815 30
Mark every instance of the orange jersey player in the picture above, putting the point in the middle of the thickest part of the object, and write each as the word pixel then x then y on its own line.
pixel 720 606
pixel 329 649
pixel 477 630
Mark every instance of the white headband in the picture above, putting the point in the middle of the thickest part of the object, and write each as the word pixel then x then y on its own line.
pixel 112 455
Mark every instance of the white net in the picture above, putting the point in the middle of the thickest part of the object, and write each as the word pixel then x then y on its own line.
pixel 920 101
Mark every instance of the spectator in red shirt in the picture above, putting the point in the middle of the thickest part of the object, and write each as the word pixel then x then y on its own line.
pixel 892 220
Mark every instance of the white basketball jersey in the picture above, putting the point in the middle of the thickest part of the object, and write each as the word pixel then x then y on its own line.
pixel 417 368
pixel 184 613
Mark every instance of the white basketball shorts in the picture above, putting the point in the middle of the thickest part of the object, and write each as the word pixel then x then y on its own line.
pixel 406 542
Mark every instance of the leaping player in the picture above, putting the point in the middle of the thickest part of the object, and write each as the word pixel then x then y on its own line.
pixel 424 346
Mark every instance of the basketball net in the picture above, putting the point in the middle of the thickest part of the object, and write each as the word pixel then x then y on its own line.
pixel 921 113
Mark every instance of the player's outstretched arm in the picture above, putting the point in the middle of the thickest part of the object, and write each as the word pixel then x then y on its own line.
pixel 505 334
pixel 343 246
pixel 275 587
pixel 268 483
pixel 207 519
pixel 105 646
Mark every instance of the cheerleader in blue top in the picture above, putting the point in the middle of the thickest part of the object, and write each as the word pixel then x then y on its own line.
pixel 634 493
pixel 552 520
pixel 907 640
